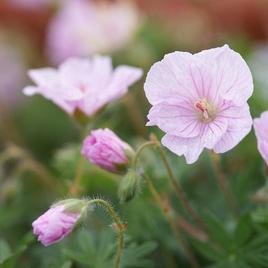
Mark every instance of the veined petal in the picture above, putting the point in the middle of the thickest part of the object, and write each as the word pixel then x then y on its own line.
pixel 214 131
pixel 239 125
pixel 191 148
pixel 234 79
pixel 177 120
pixel 178 75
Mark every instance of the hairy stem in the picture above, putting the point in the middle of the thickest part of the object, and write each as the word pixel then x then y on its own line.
pixel 140 151
pixel 223 184
pixel 179 191
pixel 120 226
pixel 166 210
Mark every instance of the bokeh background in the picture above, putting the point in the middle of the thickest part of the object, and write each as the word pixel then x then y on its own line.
pixel 40 33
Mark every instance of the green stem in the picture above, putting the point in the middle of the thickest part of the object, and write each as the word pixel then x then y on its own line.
pixel 223 185
pixel 139 152
pixel 75 188
pixel 183 198
pixel 166 210
pixel 121 228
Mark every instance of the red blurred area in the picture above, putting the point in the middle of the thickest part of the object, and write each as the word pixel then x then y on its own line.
pixel 29 22
pixel 249 17
pixel 246 17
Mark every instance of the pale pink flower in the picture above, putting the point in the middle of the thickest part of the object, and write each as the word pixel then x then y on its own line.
pixel 261 131
pixel 83 84
pixel 12 75
pixel 83 28
pixel 58 221
pixel 106 150
pixel 200 100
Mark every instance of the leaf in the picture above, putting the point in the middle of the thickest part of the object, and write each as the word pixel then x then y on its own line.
pixel 135 255
pixel 218 233
pixel 208 251
pixel 5 251
pixel 67 264
pixel 244 230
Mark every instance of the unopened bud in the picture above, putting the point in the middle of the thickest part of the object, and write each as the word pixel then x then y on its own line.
pixel 106 150
pixel 130 186
pixel 59 220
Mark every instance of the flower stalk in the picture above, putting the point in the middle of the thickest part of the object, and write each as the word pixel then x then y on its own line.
pixel 183 198
pixel 166 211
pixel 120 227
pixel 223 185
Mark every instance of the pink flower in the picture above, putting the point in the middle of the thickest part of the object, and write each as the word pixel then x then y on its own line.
pixel 12 74
pixel 83 28
pixel 58 221
pixel 86 85
pixel 200 100
pixel 261 131
pixel 106 150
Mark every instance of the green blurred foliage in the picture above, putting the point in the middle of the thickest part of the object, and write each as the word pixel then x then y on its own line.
pixel 52 138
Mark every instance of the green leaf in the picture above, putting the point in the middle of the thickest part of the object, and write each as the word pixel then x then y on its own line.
pixel 5 251
pixel 218 233
pixel 244 230
pixel 67 264
pixel 136 255
pixel 208 251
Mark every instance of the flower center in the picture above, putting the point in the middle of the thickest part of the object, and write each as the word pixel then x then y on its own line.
pixel 206 111
pixel 82 88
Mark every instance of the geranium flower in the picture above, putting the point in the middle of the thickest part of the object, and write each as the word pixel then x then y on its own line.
pixel 84 28
pixel 83 84
pixel 200 100
pixel 261 131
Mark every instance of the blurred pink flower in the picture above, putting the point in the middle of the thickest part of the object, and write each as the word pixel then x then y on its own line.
pixel 106 150
pixel 261 131
pixel 83 84
pixel 83 28
pixel 200 100
pixel 12 75
pixel 55 224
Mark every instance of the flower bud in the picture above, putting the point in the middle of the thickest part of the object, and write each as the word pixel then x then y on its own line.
pixel 129 186
pixel 59 220
pixel 106 150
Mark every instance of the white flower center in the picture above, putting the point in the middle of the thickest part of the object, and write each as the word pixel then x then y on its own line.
pixel 206 110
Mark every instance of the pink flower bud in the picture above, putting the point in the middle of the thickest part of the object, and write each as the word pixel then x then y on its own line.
pixel 58 221
pixel 106 150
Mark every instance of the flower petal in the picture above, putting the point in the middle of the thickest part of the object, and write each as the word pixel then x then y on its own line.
pixel 239 125
pixel 234 79
pixel 191 148
pixel 178 75
pixel 180 120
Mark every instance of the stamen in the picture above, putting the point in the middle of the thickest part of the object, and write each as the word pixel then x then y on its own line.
pixel 199 105
pixel 207 111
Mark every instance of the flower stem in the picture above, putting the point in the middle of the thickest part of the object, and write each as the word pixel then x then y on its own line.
pixel 166 210
pixel 74 188
pixel 223 185
pixel 183 198
pixel 139 152
pixel 120 226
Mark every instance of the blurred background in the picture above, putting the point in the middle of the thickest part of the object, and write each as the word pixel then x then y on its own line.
pixel 40 33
